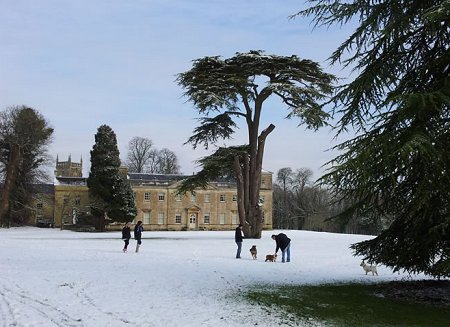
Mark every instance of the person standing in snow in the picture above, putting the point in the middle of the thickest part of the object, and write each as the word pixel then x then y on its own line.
pixel 138 229
pixel 126 235
pixel 238 239
pixel 283 244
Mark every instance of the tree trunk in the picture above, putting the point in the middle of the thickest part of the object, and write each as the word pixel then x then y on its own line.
pixel 10 179
pixel 240 192
pixel 253 210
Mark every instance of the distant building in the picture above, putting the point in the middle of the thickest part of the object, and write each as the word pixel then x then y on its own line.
pixel 159 207
pixel 69 168
pixel 43 204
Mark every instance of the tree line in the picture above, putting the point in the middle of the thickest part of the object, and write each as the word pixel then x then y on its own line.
pixel 143 157
pixel 300 203
pixel 24 139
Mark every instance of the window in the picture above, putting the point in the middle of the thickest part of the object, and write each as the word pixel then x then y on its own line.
pixel 234 218
pixel 178 218
pixel 161 218
pixel 39 205
pixel 146 217
pixel 77 200
pixel 222 218
pixel 234 197
pixel 207 198
pixel 263 182
pixel 206 218
pixel 147 196
pixel 192 218
pixel 161 196
pixel 66 199
pixel 222 198
pixel 178 197
pixel 193 198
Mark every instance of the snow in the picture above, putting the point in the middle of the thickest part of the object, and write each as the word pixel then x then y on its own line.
pixel 50 277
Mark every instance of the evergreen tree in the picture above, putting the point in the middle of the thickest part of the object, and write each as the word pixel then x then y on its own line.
pixel 24 137
pixel 111 193
pixel 399 163
pixel 123 207
pixel 237 88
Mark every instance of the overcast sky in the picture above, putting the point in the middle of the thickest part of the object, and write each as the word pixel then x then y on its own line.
pixel 85 63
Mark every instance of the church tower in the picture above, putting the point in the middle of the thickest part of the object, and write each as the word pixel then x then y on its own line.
pixel 69 168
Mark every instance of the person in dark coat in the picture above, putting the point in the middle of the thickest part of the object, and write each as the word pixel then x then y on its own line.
pixel 138 229
pixel 126 235
pixel 283 244
pixel 238 239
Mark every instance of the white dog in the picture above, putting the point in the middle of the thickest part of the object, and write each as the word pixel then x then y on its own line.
pixel 368 268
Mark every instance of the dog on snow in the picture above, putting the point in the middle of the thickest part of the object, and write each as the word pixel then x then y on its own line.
pixel 369 268
pixel 253 251
pixel 271 257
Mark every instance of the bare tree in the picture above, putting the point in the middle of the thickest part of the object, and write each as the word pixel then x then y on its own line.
pixel 284 177
pixel 139 156
pixel 167 162
pixel 301 178
pixel 153 162
pixel 143 157
pixel 283 197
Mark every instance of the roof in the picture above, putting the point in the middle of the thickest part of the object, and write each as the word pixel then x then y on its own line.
pixel 70 180
pixel 38 188
pixel 155 177
pixel 42 188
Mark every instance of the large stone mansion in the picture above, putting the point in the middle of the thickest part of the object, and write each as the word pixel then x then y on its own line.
pixel 158 205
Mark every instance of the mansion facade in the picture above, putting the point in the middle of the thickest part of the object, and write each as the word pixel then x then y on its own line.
pixel 158 205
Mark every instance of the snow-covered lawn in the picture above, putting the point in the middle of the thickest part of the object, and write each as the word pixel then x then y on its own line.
pixel 52 278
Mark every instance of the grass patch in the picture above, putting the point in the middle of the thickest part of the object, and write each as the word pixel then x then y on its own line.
pixel 347 305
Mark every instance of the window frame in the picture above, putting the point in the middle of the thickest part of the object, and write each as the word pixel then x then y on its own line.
pixel 178 218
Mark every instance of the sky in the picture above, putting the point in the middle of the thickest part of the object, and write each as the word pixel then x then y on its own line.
pixel 86 63
pixel 183 279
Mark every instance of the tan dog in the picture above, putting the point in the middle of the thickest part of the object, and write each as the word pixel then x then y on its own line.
pixel 368 268
pixel 253 251
pixel 271 257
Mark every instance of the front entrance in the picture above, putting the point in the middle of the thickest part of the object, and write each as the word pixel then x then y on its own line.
pixel 192 220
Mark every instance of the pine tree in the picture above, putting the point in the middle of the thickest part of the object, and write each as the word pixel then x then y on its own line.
pixel 399 164
pixel 123 208
pixel 237 88
pixel 110 191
